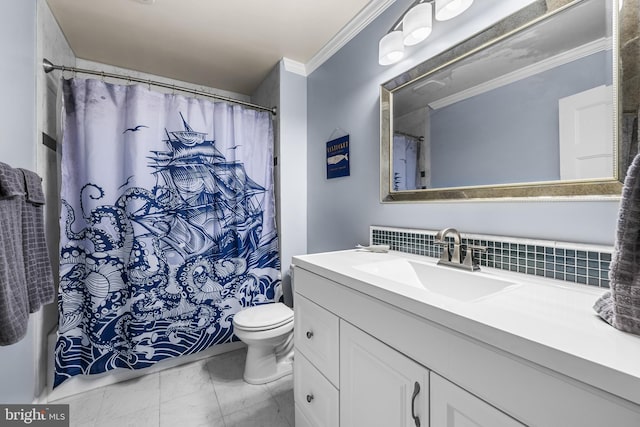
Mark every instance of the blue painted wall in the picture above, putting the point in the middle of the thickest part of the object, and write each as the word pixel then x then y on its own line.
pixel 18 149
pixel 344 93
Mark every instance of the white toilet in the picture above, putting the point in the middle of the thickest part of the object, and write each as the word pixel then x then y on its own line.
pixel 268 332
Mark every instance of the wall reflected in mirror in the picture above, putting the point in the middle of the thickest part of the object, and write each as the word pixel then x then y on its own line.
pixel 535 107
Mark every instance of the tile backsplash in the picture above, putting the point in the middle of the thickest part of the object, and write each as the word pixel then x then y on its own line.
pixel 571 262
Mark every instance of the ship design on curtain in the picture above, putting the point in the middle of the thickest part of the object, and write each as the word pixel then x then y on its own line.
pixel 162 271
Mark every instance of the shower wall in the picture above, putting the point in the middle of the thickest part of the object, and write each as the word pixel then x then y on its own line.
pixel 51 44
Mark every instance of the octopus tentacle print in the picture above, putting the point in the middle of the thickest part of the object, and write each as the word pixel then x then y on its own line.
pixel 161 271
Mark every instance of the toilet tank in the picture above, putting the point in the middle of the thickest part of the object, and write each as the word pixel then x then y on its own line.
pixel 287 286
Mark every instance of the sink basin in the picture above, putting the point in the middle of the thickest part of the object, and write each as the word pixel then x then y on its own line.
pixel 446 281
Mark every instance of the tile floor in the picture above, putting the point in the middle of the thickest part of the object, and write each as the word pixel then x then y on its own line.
pixel 207 392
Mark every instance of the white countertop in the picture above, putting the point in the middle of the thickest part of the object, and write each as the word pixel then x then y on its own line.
pixel 548 322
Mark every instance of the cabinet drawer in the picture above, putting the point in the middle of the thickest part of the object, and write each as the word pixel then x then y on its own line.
pixel 454 406
pixel 315 397
pixel 316 336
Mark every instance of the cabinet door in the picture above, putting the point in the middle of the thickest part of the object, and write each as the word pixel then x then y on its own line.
pixel 452 406
pixel 379 387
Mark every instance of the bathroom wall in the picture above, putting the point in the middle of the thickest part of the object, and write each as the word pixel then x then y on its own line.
pixel 285 88
pixel 18 149
pixel 293 166
pixel 344 93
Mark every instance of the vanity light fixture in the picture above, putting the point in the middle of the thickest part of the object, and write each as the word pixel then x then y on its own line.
pixel 415 25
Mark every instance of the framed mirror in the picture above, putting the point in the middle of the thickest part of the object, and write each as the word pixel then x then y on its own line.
pixel 531 107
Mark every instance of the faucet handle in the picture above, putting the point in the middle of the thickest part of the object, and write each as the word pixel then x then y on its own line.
pixel 445 255
pixel 469 259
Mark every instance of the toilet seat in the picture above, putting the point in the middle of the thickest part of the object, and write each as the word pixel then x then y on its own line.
pixel 263 317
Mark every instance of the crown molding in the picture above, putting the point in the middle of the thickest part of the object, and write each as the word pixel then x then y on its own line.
pixel 522 73
pixel 370 12
pixel 294 67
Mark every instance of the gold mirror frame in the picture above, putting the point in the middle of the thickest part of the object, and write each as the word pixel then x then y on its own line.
pixel 525 18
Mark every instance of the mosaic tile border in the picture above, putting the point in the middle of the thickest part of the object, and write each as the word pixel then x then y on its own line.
pixel 571 262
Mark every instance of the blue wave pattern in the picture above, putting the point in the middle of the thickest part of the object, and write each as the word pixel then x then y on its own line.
pixel 161 272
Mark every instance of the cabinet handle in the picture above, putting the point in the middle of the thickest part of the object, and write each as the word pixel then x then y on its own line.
pixel 309 397
pixel 309 334
pixel 416 390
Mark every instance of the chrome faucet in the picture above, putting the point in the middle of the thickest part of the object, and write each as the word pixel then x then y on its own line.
pixel 455 259
pixel 440 240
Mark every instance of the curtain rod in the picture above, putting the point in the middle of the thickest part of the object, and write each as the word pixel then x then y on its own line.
pixel 49 67
pixel 421 138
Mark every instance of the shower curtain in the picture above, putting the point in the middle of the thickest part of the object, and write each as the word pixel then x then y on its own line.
pixel 405 162
pixel 167 225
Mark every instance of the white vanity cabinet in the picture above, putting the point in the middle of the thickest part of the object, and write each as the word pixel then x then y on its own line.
pixel 373 346
pixel 378 385
pixel 345 377
pixel 452 406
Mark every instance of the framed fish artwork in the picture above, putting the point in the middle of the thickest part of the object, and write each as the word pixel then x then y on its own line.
pixel 338 157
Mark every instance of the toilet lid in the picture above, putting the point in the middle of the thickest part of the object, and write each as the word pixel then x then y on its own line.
pixel 261 317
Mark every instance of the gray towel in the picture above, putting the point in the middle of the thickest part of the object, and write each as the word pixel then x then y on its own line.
pixel 34 245
pixel 33 187
pixel 620 307
pixel 14 302
pixel 10 182
pixel 24 288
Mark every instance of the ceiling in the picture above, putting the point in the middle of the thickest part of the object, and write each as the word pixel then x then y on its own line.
pixel 229 45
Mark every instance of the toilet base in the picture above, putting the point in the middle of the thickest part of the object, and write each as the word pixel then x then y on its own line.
pixel 262 367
